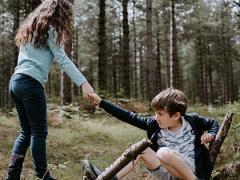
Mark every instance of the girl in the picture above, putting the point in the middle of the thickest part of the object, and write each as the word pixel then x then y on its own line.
pixel 40 39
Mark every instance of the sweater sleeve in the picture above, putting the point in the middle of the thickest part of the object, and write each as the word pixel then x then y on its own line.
pixel 63 60
pixel 125 115
pixel 209 125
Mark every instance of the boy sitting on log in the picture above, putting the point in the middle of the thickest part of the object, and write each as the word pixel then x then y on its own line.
pixel 178 149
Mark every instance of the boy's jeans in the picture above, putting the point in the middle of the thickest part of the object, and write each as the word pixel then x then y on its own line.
pixel 29 98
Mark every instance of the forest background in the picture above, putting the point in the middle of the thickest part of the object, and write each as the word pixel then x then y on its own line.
pixel 129 50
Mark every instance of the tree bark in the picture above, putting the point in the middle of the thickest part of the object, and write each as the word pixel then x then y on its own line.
pixel 2 62
pixel 125 51
pixel 142 73
pixel 210 78
pixel 15 27
pixel 135 94
pixel 35 4
pixel 114 73
pixel 166 18
pixel 102 61
pixel 174 62
pixel 120 60
pixel 76 59
pixel 158 58
pixel 215 146
pixel 130 154
pixel 151 63
pixel 66 84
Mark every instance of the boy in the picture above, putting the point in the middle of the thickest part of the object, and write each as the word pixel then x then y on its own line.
pixel 178 140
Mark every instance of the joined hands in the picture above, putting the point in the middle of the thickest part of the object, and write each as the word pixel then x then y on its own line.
pixel 94 99
pixel 90 95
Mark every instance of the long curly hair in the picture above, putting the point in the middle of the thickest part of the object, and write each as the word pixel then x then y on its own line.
pixel 55 13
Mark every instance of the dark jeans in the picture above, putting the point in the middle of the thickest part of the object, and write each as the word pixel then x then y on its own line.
pixel 29 98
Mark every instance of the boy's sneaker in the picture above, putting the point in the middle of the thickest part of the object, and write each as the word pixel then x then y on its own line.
pixel 90 170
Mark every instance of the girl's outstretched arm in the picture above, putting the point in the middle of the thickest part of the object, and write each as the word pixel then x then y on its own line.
pixel 120 113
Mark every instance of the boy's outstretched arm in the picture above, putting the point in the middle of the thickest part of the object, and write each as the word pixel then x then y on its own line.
pixel 120 113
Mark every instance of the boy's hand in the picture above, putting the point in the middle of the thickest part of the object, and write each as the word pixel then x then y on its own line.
pixel 206 138
pixel 94 99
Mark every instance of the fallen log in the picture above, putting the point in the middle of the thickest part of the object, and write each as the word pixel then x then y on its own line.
pixel 130 154
pixel 214 148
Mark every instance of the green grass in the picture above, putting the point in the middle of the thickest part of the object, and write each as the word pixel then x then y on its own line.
pixel 100 138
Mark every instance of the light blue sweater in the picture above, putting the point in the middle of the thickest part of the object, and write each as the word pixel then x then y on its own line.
pixel 37 62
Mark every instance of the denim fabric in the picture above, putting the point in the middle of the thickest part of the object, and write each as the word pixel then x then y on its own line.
pixel 29 98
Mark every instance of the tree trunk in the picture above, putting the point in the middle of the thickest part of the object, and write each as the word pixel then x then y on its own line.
pixel 34 4
pixel 204 73
pixel 114 72
pixel 66 84
pixel 102 61
pixel 229 67
pixel 151 62
pixel 125 50
pixel 26 8
pixel 142 73
pixel 215 146
pixel 15 28
pixel 158 58
pixel 120 61
pixel 135 53
pixel 166 17
pixel 210 79
pixel 2 62
pixel 220 94
pixel 76 60
pixel 201 58
pixel 174 64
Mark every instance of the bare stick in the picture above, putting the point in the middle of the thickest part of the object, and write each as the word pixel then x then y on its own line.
pixel 215 146
pixel 130 154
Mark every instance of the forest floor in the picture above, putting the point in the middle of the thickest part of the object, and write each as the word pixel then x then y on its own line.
pixel 75 135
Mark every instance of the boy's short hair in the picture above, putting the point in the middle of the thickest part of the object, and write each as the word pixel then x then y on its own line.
pixel 172 100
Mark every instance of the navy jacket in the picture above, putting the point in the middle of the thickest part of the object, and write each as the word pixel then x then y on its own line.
pixel 149 124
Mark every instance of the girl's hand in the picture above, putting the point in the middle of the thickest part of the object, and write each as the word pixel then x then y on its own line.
pixel 94 99
pixel 206 138
pixel 86 89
